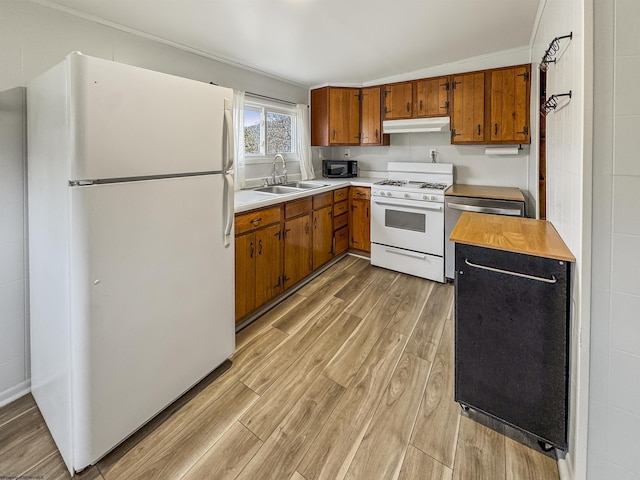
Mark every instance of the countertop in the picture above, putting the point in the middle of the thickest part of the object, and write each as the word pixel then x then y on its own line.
pixel 482 191
pixel 246 200
pixel 512 234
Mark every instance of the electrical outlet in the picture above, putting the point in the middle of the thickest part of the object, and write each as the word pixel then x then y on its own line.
pixel 347 153
pixel 320 155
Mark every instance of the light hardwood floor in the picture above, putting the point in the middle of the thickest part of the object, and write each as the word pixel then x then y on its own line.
pixel 351 377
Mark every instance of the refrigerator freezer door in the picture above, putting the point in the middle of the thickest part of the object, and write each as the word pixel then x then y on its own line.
pixel 152 303
pixel 133 122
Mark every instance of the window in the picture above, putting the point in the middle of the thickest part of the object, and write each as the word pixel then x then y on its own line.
pixel 268 129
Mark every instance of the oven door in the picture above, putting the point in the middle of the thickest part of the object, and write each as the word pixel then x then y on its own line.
pixel 408 224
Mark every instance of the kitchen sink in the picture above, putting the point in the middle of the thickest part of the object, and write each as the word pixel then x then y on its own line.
pixel 279 189
pixel 306 185
pixel 289 188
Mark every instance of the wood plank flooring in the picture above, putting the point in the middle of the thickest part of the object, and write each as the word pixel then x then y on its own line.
pixel 349 378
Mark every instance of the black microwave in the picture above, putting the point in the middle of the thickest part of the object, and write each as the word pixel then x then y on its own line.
pixel 339 168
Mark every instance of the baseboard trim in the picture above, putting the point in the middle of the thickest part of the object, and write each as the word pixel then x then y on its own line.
pixel 564 470
pixel 15 392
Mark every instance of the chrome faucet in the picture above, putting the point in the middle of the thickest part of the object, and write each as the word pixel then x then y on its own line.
pixel 284 169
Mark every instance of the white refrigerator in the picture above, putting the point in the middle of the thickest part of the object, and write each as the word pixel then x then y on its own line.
pixel 131 253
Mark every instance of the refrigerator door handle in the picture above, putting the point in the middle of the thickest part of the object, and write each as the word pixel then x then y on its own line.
pixel 227 205
pixel 229 143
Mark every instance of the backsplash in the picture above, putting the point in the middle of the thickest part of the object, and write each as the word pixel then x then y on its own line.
pixel 471 164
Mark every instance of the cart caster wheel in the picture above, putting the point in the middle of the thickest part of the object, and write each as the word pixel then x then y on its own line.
pixel 546 447
pixel 464 408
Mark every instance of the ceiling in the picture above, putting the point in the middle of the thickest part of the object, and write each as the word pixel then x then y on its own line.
pixel 311 42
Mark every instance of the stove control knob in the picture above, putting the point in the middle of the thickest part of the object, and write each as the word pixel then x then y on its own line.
pixel 406 195
pixel 388 194
pixel 425 197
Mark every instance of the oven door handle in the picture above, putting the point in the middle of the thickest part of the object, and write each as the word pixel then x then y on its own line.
pixel 415 206
pixel 472 208
pixel 405 253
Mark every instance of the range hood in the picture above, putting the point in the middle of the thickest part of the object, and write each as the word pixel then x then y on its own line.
pixel 416 125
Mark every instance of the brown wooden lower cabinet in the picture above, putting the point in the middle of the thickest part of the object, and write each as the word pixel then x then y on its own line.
pixel 322 236
pixel 258 267
pixel 278 246
pixel 341 241
pixel 359 219
pixel 268 264
pixel 297 249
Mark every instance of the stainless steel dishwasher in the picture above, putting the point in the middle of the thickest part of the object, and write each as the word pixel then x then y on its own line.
pixel 455 205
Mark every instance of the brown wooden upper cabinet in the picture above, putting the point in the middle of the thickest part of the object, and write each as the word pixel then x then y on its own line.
pixel 335 116
pixel 467 116
pixel 509 119
pixel 398 100
pixel 431 97
pixel 371 117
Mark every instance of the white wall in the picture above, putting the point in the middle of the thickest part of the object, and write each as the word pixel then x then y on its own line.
pixel 568 188
pixel 471 165
pixel 13 283
pixel 614 402
pixel 32 39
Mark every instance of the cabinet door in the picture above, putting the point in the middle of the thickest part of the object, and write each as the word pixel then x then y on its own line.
pixel 371 118
pixel 398 100
pixel 359 224
pixel 297 250
pixel 510 105
pixel 245 274
pixel 322 236
pixel 268 254
pixel 341 240
pixel 344 116
pixel 467 117
pixel 432 97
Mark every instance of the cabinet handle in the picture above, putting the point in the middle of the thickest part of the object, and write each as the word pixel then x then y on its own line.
pixel 255 221
pixel 260 247
pixel 478 129
pixel 306 228
pixel 286 279
pixel 553 279
pixel 420 108
pixel 284 235
pixel 408 106
pixel 377 134
pixel 495 129
pixel 277 285
pixel 367 215
pixel 525 131
pixel 279 234
pixel 333 246
pixel 446 105
pixel 251 250
pixel 360 194
pixel 334 133
pixel 315 223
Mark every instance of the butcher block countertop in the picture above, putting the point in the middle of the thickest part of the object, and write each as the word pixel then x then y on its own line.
pixel 512 234
pixel 482 191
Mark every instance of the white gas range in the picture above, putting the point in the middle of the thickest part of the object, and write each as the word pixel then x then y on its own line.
pixel 407 219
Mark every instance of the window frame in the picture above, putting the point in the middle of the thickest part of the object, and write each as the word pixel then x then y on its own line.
pixel 265 106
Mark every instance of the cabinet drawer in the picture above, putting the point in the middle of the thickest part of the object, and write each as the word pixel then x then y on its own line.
pixel 340 208
pixel 360 193
pixel 340 221
pixel 293 209
pixel 341 239
pixel 322 200
pixel 260 218
pixel 340 194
